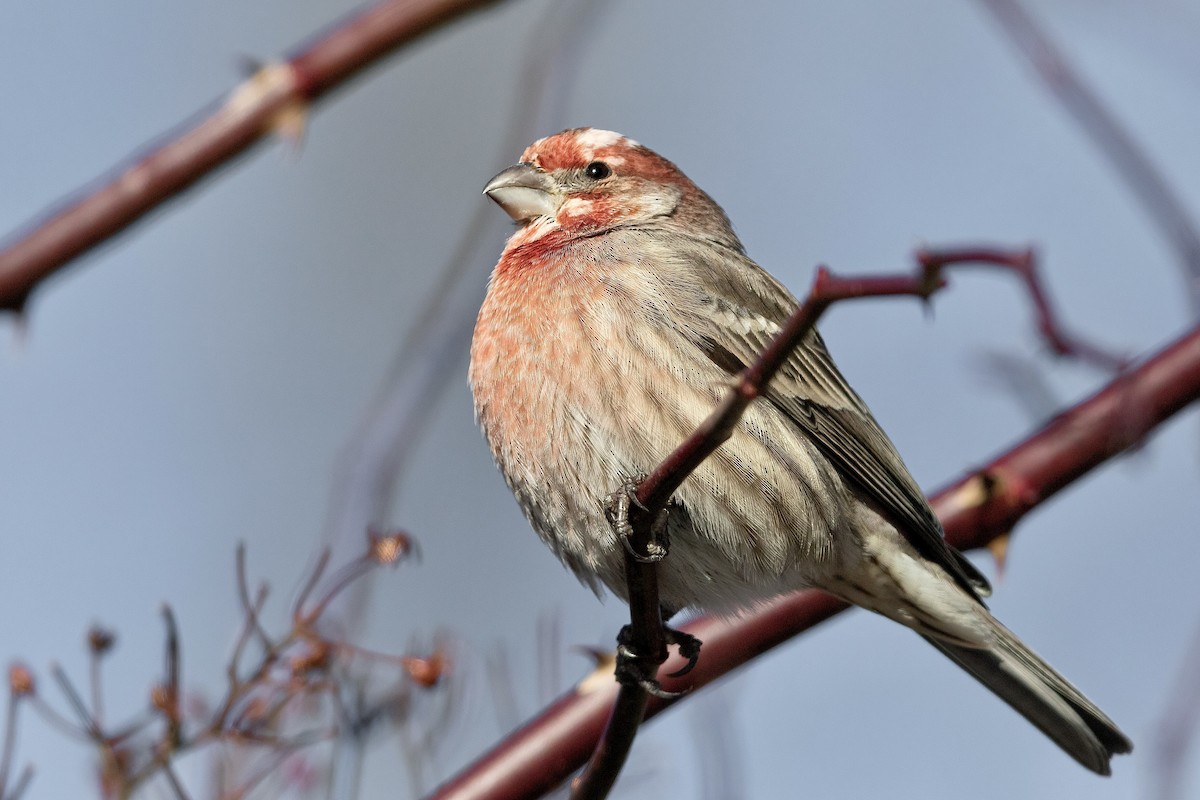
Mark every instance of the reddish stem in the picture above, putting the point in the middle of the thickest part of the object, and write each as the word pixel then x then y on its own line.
pixel 1023 263
pixel 252 111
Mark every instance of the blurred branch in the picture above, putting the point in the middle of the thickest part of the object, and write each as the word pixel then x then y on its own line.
pixel 273 99
pixel 1022 379
pixel 20 686
pixel 372 461
pixel 719 745
pixel 1176 730
pixel 1106 132
pixel 977 509
pixel 371 464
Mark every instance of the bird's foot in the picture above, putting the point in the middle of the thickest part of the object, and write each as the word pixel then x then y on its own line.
pixel 688 647
pixel 617 507
pixel 634 670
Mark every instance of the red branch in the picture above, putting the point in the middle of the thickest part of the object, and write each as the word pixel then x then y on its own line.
pixel 255 109
pixel 1024 264
pixel 975 510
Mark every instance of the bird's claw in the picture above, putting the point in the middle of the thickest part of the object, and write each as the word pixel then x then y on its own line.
pixel 688 647
pixel 616 509
pixel 634 670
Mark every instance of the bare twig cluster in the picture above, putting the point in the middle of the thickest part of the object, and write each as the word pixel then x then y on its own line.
pixel 284 693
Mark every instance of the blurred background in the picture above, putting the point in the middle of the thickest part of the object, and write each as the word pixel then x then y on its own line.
pixel 194 384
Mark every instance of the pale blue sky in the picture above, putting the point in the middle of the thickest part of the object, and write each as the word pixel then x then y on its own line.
pixel 191 385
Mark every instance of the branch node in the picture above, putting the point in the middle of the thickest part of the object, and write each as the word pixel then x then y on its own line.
pixel 822 280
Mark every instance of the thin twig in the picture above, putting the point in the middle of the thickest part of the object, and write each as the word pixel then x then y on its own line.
pixel 265 771
pixel 338 581
pixel 171 691
pixel 1023 263
pixel 86 720
pixel 21 785
pixel 549 660
pixel 1176 732
pixel 54 718
pixel 269 648
pixel 173 781
pixel 718 740
pixel 310 584
pixel 502 687
pixel 10 737
pixel 100 642
pixel 250 609
pixel 1022 379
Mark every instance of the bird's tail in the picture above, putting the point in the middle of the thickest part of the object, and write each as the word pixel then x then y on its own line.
pixel 894 580
pixel 1031 686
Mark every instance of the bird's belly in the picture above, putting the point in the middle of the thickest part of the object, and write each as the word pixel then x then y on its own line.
pixel 574 416
pixel 757 519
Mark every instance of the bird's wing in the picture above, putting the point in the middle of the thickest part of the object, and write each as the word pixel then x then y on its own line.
pixel 746 308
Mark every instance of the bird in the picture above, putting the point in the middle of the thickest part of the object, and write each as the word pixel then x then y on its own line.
pixel 620 310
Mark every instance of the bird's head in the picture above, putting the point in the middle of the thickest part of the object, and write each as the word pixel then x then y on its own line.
pixel 585 182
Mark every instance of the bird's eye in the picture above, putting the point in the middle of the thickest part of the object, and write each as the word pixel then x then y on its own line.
pixel 597 170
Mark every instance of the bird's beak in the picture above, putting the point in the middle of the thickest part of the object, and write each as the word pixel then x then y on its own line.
pixel 524 192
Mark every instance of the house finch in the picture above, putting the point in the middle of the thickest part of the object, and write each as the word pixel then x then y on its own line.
pixel 614 320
